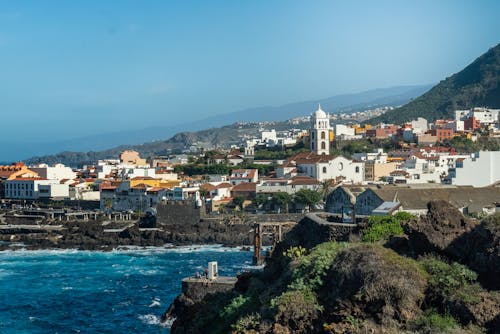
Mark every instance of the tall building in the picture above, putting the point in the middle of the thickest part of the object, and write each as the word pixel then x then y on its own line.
pixel 320 132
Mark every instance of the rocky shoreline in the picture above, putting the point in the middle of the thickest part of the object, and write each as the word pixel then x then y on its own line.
pixel 93 235
pixel 438 273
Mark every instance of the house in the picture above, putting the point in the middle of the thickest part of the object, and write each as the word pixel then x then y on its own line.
pixel 414 199
pixel 342 198
pixel 246 190
pixel 483 169
pixel 10 172
pixel 288 185
pixel 25 188
pixel 244 176
pixel 55 172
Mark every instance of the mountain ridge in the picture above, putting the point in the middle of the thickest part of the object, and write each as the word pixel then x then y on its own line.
pixel 393 96
pixel 477 85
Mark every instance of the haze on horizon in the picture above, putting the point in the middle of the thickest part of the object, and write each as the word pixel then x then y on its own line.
pixel 71 69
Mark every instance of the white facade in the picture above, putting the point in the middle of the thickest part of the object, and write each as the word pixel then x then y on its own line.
pixel 420 125
pixel 378 156
pixel 25 188
pixel 338 167
pixel 486 116
pixel 480 171
pixel 267 136
pixel 54 190
pixel 320 132
pixel 344 130
pixel 56 172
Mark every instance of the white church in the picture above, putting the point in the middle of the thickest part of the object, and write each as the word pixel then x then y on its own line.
pixel 318 163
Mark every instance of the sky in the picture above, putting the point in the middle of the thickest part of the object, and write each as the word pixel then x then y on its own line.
pixel 76 68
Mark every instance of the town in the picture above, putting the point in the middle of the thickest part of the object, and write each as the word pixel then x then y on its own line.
pixel 347 169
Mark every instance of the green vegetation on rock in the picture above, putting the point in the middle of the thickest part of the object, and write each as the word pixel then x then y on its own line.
pixel 381 228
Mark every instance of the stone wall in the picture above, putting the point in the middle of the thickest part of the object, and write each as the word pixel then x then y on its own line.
pixel 197 289
pixel 179 212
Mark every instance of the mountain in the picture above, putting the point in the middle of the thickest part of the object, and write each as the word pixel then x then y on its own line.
pixel 392 96
pixel 476 85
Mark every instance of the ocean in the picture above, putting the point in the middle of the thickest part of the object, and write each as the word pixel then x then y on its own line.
pixel 123 291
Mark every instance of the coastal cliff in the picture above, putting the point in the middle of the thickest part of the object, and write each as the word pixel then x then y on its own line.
pixel 434 274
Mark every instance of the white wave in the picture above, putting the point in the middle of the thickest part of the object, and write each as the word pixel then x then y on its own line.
pixel 149 250
pixel 155 302
pixel 67 288
pixel 152 319
pixel 148 272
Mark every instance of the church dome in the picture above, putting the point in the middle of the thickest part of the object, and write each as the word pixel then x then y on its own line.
pixel 319 113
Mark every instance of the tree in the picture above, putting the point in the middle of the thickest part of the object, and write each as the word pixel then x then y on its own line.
pixel 307 197
pixel 204 193
pixel 238 201
pixel 326 187
pixel 281 199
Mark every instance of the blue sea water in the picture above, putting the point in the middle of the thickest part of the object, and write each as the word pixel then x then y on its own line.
pixel 124 291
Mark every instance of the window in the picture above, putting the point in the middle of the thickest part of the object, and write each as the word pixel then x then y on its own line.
pixel 312 146
pixel 323 145
pixel 357 169
pixel 340 166
pixel 322 134
pixel 324 170
pixel 312 135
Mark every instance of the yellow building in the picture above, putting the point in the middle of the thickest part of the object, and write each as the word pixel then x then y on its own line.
pixel 152 182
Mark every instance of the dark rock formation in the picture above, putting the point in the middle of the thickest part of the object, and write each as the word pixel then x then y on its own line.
pixel 371 282
pixel 437 231
pixel 480 250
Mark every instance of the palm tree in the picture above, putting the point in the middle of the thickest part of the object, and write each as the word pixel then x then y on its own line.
pixel 281 199
pixel 326 188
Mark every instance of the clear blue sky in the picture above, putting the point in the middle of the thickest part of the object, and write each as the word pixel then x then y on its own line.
pixel 74 68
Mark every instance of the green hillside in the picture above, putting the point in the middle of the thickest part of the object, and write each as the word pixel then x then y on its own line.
pixel 476 85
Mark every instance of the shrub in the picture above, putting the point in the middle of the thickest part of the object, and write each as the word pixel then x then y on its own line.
pixel 247 323
pixel 297 310
pixel 447 279
pixel 235 307
pixel 313 267
pixel 432 322
pixel 382 228
pixel 295 252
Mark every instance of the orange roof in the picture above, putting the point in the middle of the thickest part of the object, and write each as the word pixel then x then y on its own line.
pixel 143 178
pixel 29 179
pixel 304 180
pixel 224 185
pixel 245 187
pixel 208 187
pixel 309 158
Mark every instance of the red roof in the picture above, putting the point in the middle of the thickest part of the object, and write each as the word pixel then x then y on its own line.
pixel 245 187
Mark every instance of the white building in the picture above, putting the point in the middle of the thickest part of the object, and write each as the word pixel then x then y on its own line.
pixel 480 171
pixel 377 156
pixel 244 176
pixel 486 116
pixel 344 132
pixel 269 136
pixel 420 125
pixel 328 168
pixel 56 172
pixel 320 132
pixel 25 187
pixel 53 190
